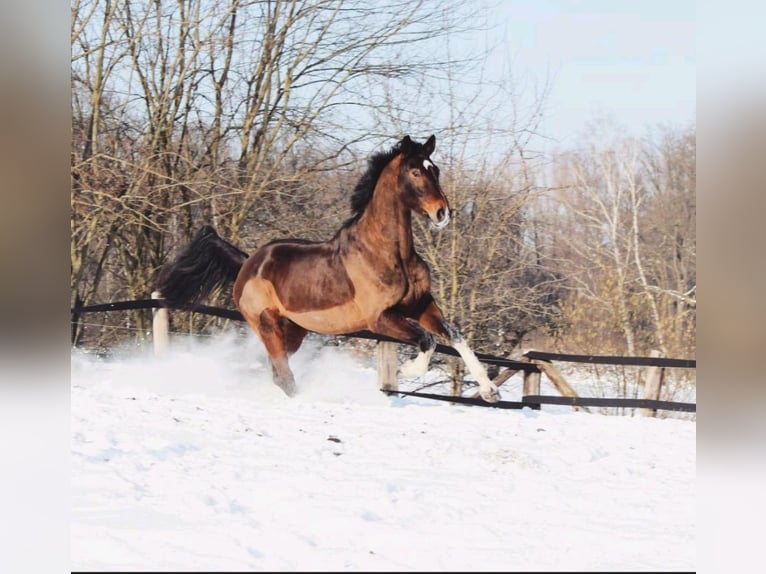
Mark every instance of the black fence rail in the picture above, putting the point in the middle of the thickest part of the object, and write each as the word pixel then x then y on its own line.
pixel 534 364
pixel 613 360
pixel 655 374
pixel 233 314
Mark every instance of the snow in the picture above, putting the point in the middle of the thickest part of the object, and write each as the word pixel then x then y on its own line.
pixel 196 461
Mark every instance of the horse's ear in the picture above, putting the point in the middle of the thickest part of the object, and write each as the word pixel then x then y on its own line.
pixel 430 145
pixel 405 145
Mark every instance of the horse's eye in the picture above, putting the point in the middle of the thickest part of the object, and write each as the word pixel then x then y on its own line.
pixel 415 172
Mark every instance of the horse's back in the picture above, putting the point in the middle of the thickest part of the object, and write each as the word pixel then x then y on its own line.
pixel 298 278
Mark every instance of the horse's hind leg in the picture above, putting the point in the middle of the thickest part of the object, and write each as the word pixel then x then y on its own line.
pixel 293 335
pixel 280 339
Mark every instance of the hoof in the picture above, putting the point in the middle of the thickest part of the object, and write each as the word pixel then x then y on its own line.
pixel 288 388
pixel 490 394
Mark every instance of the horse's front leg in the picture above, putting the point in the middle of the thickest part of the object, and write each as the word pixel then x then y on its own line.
pixel 433 320
pixel 394 323
pixel 418 365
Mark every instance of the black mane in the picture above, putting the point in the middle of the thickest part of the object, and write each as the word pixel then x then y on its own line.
pixel 366 185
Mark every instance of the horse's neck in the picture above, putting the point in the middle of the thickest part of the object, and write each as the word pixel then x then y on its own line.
pixel 389 221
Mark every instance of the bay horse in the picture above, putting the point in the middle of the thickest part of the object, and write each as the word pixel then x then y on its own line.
pixel 368 276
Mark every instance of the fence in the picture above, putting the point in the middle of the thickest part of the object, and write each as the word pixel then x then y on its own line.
pixel 535 364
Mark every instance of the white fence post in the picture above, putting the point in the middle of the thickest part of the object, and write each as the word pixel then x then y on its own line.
pixel 160 327
pixel 387 365
pixel 654 378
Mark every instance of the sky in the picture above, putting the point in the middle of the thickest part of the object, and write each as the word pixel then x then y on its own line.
pixel 195 461
pixel 633 60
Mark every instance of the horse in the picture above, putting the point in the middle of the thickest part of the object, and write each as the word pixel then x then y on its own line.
pixel 367 276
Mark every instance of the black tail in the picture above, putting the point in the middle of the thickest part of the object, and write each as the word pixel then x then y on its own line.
pixel 206 264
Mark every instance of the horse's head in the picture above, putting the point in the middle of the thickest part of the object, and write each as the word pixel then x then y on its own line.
pixel 419 181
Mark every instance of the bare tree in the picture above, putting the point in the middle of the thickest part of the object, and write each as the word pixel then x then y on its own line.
pixel 218 111
pixel 617 227
pixel 669 233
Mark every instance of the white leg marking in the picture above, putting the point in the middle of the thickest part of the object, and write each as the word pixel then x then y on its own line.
pixel 418 366
pixel 487 388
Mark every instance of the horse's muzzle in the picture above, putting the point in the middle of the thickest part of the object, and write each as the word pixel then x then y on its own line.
pixel 441 218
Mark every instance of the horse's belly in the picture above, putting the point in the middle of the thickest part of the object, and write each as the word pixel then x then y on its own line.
pixel 344 318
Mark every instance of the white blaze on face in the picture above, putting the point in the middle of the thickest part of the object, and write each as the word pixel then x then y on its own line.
pixel 427 164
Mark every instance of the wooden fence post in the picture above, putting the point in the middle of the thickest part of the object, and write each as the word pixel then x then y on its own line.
pixel 387 365
pixel 160 327
pixel 558 380
pixel 531 386
pixel 531 383
pixel 654 378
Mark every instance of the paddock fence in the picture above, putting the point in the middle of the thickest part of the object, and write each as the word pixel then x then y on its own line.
pixel 532 366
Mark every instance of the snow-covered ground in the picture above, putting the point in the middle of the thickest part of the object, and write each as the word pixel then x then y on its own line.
pixel 196 461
